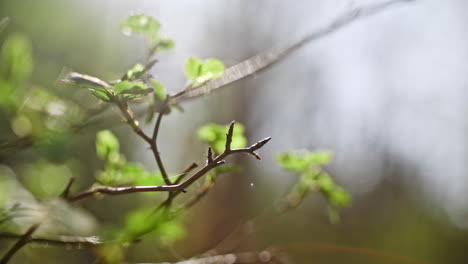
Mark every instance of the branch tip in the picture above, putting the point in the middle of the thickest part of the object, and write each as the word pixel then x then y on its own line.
pixel 210 155
pixel 229 135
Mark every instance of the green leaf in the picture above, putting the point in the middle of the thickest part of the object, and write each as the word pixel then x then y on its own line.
pixel 215 136
pixel 133 89
pixel 200 72
pixel 211 69
pixel 102 95
pixel 159 90
pixel 106 144
pixel 141 24
pixel 193 68
pixel 4 23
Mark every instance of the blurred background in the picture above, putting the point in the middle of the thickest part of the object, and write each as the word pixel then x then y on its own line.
pixel 387 95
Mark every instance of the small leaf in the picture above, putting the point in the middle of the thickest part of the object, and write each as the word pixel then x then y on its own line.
pixel 212 69
pixel 200 72
pixel 106 144
pixel 141 24
pixel 193 68
pixel 159 90
pixel 102 95
pixel 135 89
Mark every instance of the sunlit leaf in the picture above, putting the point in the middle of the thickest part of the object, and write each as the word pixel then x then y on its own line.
pixel 193 68
pixel 102 96
pixel 211 69
pixel 140 24
pixel 199 71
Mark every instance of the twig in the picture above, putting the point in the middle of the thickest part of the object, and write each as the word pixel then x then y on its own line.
pixel 217 161
pixel 24 239
pixel 173 195
pixel 66 192
pixel 263 60
pixel 60 240
pixel 154 148
pixel 265 256
pixel 241 70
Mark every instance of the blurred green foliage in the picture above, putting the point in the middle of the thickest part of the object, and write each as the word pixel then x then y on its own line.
pixel 148 27
pixel 16 64
pixel 309 165
pixel 118 171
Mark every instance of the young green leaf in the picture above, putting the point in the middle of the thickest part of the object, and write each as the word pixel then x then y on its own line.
pixel 211 69
pixel 102 95
pixel 193 68
pixel 141 24
pixel 199 71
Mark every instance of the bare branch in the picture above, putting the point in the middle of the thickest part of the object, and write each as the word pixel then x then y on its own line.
pixel 210 155
pixel 263 60
pixel 60 240
pixel 66 192
pixel 24 239
pixel 154 147
pixel 265 256
pixel 217 161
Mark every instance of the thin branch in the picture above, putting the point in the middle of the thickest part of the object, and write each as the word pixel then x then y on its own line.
pixel 24 239
pixel 217 161
pixel 265 59
pixel 241 70
pixel 66 192
pixel 173 195
pixel 154 148
pixel 76 241
pixel 186 172
pixel 265 256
